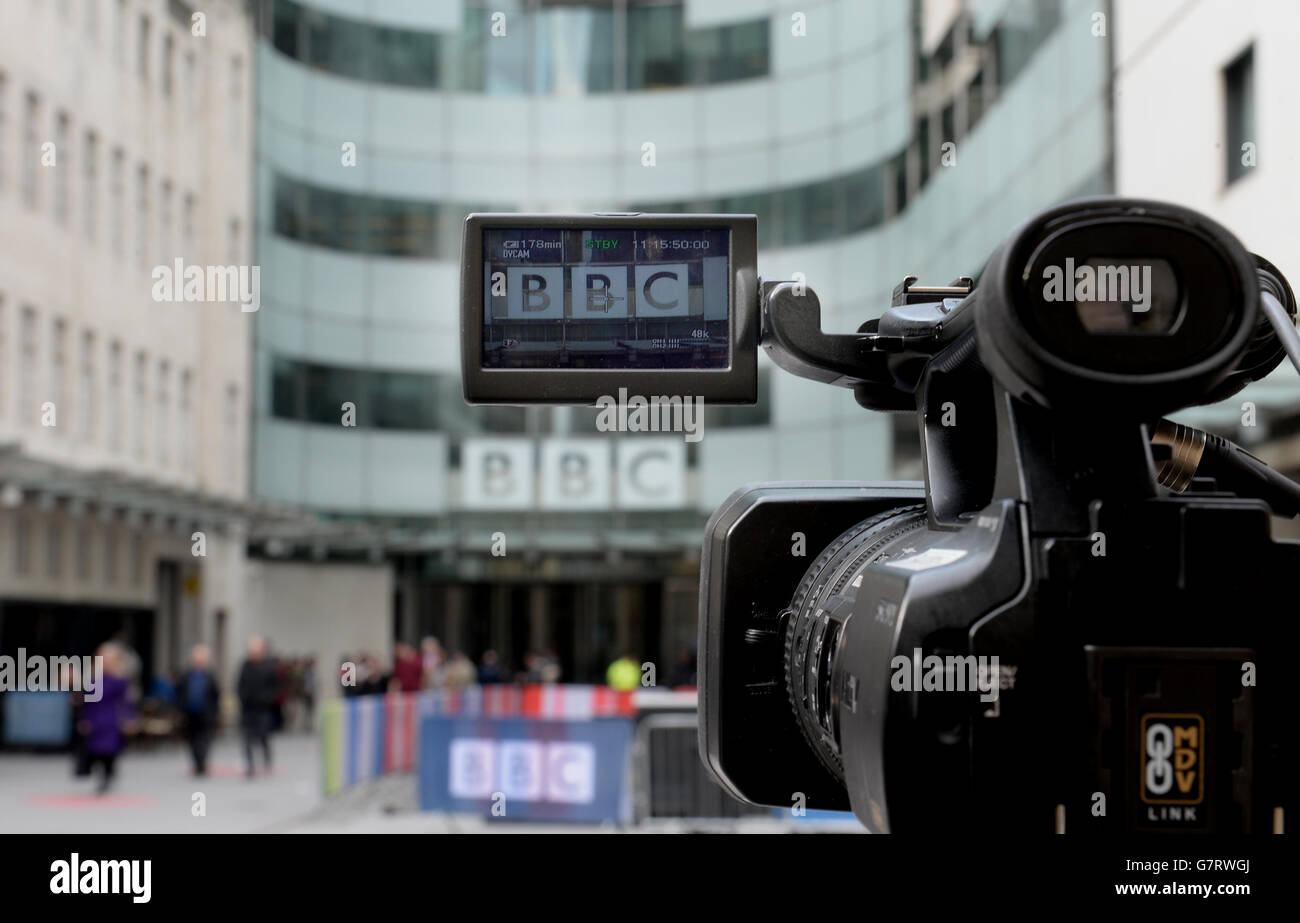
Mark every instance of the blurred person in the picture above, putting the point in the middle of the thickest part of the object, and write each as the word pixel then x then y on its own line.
pixel 281 700
pixel 550 668
pixel 258 687
pixel 684 668
pixel 431 662
pixel 309 692
pixel 371 678
pixel 80 758
pixel 408 669
pixel 460 672
pixel 293 687
pixel 131 664
pixel 162 691
pixel 104 724
pixel 624 674
pixel 489 670
pixel 200 702
pixel 364 672
pixel 532 671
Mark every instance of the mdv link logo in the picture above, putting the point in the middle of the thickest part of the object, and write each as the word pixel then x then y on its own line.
pixel 1173 767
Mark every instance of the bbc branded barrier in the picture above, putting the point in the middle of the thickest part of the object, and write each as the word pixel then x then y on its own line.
pixel 364 737
pixel 527 769
pixel 546 753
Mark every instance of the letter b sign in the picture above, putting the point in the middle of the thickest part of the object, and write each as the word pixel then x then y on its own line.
pixel 575 474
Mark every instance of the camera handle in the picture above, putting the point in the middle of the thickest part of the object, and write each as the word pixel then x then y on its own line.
pixel 882 362
pixel 920 358
pixel 790 329
pixel 922 349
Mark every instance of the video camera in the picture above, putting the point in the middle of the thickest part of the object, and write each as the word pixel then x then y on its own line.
pixel 1079 622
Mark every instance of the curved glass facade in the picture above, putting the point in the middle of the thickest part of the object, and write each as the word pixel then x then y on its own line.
pixel 315 392
pixel 872 141
pixel 558 48
pixel 387 226
pixel 873 145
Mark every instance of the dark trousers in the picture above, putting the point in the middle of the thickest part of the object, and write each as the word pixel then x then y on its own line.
pixel 106 760
pixel 198 734
pixel 257 730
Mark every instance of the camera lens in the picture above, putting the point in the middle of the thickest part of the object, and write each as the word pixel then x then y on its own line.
pixel 822 603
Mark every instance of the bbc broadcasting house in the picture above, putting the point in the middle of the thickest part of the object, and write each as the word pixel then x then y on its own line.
pixel 873 140
pixel 824 118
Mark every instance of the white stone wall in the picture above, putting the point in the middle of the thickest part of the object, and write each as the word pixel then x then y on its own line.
pixel 76 289
pixel 1170 131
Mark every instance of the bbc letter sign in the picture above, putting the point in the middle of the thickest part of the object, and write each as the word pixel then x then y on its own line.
pixel 496 474
pixel 576 474
pixel 651 473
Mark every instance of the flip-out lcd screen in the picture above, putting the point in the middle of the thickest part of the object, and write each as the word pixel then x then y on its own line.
pixel 617 298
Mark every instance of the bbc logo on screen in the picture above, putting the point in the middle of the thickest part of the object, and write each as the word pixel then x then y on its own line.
pixel 658 290
pixel 561 772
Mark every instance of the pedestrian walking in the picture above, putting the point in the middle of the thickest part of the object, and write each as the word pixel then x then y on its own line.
pixel 258 688
pixel 105 722
pixel 200 703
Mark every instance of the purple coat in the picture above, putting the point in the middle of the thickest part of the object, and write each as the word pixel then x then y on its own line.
pixel 106 717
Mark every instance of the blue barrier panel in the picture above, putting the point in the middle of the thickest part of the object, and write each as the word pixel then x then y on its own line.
pixel 38 718
pixel 815 816
pixel 533 770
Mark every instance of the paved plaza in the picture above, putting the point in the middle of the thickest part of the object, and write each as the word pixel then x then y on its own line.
pixel 154 791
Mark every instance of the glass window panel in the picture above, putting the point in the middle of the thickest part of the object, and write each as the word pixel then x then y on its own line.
pixel 285 391
pixel 463 54
pixel 400 227
pixel 402 400
pixel 327 388
pixel 284 27
pixel 655 47
pixel 1239 83
pixel 561 48
pixel 403 57
pixel 335 45
pixel 573 50
pixel 864 199
pixel 507 59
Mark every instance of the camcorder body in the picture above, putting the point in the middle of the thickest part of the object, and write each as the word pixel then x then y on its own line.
pixel 1077 623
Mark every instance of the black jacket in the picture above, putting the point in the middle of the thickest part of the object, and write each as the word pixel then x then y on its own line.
pixel 258 685
pixel 212 700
